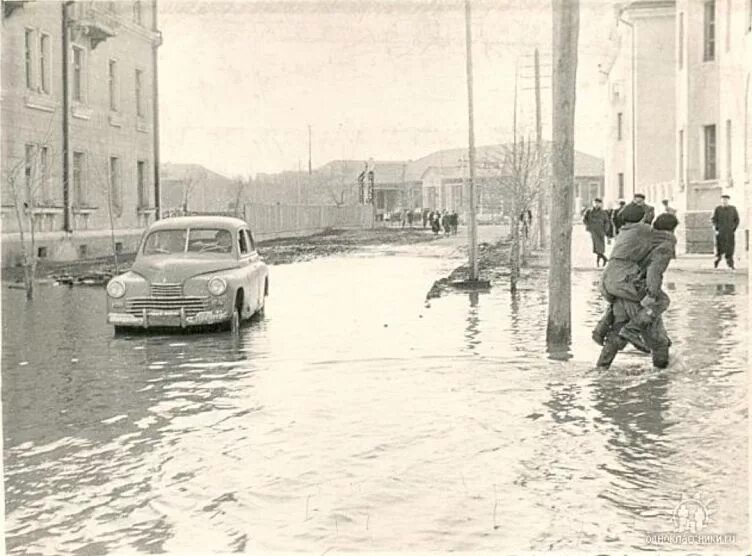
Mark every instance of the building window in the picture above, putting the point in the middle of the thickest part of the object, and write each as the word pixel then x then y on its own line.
pixel 621 185
pixel 680 55
pixel 44 171
pixel 143 194
pixel 116 191
pixel 709 37
pixel 78 74
pixel 710 152
pixel 137 14
pixel 681 156
pixel 44 62
pixel 729 152
pixel 28 172
pixel 620 126
pixel 139 93
pixel 79 179
pixel 113 85
pixel 29 57
pixel 728 25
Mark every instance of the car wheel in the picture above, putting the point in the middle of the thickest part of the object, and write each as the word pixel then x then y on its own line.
pixel 120 330
pixel 235 320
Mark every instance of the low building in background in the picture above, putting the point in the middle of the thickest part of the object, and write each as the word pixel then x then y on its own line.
pixel 81 171
pixel 191 188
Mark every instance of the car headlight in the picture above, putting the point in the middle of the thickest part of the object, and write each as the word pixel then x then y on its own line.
pixel 116 289
pixel 217 286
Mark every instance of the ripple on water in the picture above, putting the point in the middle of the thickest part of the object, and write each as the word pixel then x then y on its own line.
pixel 318 427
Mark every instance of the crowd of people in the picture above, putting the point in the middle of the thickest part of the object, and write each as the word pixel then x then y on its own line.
pixel 632 280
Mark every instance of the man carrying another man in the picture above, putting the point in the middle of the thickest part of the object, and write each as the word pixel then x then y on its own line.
pixel 632 283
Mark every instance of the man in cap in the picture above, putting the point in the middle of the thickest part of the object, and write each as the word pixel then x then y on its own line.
pixel 598 223
pixel 639 199
pixel 725 221
pixel 636 314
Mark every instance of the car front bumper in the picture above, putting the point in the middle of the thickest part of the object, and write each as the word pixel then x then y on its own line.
pixel 168 319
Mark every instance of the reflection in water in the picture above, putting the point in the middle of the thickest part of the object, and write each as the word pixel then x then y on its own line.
pixel 326 423
pixel 473 322
pixel 634 419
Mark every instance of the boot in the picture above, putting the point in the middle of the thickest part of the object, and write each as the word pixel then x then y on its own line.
pixel 612 346
pixel 660 357
pixel 603 327
pixel 715 262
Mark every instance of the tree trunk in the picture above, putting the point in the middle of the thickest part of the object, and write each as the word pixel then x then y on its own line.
pixel 565 38
pixel 514 252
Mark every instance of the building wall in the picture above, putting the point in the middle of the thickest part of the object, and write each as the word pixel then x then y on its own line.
pixel 32 117
pixel 652 29
pixel 711 92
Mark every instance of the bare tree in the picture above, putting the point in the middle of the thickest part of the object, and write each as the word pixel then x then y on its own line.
pixel 522 172
pixel 190 181
pixel 524 175
pixel 26 183
pixel 340 190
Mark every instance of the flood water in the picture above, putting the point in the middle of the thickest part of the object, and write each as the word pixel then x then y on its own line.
pixel 353 417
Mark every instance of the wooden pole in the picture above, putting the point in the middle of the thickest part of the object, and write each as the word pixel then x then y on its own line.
pixel 565 38
pixel 539 147
pixel 472 224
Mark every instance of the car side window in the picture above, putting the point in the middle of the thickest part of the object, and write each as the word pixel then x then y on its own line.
pixel 251 244
pixel 242 243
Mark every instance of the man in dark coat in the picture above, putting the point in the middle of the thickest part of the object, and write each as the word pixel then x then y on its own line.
pixel 616 219
pixel 639 199
pixel 725 221
pixel 597 222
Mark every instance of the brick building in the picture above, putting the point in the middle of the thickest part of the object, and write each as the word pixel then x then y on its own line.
pixel 79 125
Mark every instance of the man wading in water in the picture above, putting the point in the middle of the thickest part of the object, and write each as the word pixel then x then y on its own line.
pixel 632 284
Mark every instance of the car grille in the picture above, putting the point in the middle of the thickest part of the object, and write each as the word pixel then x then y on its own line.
pixel 167 297
pixel 166 290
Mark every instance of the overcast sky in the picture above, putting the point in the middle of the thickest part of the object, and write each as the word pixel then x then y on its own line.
pixel 241 81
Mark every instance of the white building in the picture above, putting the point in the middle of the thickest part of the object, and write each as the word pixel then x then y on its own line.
pixel 712 113
pixel 639 155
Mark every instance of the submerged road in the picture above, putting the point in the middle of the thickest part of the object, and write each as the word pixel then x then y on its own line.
pixel 352 416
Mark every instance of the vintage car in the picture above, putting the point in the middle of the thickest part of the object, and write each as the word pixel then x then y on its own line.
pixel 190 271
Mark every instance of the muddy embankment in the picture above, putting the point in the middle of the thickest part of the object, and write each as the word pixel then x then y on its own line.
pixel 493 269
pixel 96 272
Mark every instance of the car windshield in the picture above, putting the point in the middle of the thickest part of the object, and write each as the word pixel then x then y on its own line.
pixel 196 240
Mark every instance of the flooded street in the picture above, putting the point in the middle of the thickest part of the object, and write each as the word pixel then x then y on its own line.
pixel 354 417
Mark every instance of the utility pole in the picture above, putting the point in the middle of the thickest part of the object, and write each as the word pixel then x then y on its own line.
pixel 472 224
pixel 566 24
pixel 67 224
pixel 539 147
pixel 309 150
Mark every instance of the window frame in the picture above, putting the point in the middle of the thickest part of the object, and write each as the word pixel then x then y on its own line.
pixel 78 178
pixel 115 170
pixel 44 171
pixel 142 191
pixel 45 63
pixel 113 83
pixel 29 58
pixel 30 151
pixel 620 126
pixel 680 54
pixel 139 93
pixel 729 152
pixel 78 71
pixel 709 31
pixel 710 152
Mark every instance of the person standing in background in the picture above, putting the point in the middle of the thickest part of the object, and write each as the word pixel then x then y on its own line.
pixel 639 199
pixel 725 222
pixel 598 224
